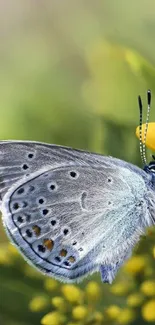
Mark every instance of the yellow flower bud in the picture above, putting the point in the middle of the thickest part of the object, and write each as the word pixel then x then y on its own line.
pixel 53 318
pixel 135 265
pixel 50 284
pixel 72 293
pixel 79 312
pixel 148 311
pixel 135 300
pixel 113 312
pixel 120 288
pixel 38 303
pixel 126 316
pixel 58 302
pixel 150 139
pixel 148 288
pixel 93 290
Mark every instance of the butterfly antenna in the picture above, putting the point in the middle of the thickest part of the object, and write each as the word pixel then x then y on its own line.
pixel 147 122
pixel 142 145
pixel 140 129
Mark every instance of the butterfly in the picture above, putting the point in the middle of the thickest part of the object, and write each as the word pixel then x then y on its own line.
pixel 72 213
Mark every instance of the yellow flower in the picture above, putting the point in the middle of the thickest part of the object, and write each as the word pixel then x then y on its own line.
pixel 150 139
pixel 53 318
pixel 120 288
pixel 135 265
pixel 113 311
pixel 148 288
pixel 38 303
pixel 98 316
pixel 79 312
pixel 58 302
pixel 148 311
pixel 134 300
pixel 72 293
pixel 93 290
pixel 50 284
pixel 126 316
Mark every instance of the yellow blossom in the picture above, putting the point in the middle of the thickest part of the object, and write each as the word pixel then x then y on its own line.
pixel 120 288
pixel 148 288
pixel 93 290
pixel 150 139
pixel 148 311
pixel 79 312
pixel 135 300
pixel 135 265
pixel 58 302
pixel 72 293
pixel 38 303
pixel 53 318
pixel 126 316
pixel 113 312
pixel 50 284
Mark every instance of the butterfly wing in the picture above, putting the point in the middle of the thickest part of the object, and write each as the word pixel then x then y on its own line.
pixel 20 158
pixel 78 212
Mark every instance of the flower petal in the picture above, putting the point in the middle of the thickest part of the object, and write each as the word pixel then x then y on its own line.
pixel 150 139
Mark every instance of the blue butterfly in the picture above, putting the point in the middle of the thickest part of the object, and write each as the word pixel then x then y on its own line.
pixel 71 212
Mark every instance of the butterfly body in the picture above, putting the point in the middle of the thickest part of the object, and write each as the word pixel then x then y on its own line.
pixel 72 212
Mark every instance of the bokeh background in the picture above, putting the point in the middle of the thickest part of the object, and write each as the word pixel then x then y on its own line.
pixel 70 73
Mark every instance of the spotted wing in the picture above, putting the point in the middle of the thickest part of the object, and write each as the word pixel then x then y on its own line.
pixel 69 220
pixel 20 158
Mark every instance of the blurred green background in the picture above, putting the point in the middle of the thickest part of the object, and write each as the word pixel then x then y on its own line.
pixel 70 73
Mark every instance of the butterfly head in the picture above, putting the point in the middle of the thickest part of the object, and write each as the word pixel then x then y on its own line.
pixel 146 134
pixel 150 169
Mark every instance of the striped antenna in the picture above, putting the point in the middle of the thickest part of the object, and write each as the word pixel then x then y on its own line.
pixel 147 121
pixel 140 130
pixel 142 145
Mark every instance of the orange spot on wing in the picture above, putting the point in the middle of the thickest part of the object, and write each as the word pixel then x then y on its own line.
pixel 49 244
pixel 36 230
